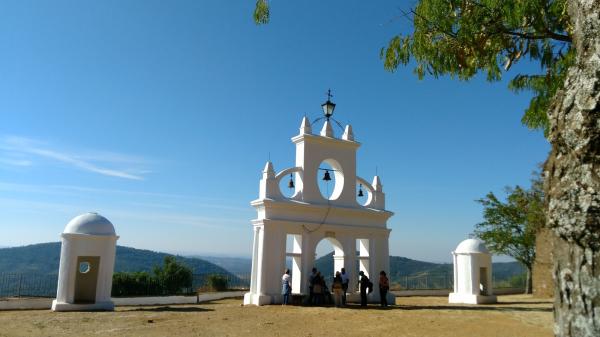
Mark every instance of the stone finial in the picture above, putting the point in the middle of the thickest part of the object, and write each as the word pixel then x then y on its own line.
pixel 269 172
pixel 327 130
pixel 305 127
pixel 268 184
pixel 377 186
pixel 348 134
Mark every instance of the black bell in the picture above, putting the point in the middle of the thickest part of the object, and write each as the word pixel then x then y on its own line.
pixel 360 192
pixel 326 176
pixel 291 183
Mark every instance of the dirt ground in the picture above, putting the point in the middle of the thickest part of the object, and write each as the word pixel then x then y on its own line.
pixel 513 316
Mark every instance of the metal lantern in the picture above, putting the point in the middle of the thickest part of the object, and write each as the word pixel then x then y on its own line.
pixel 328 106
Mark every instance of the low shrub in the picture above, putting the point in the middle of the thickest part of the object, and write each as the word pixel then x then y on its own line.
pixel 217 282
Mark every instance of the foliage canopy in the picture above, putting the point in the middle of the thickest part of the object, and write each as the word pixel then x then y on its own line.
pixel 461 38
pixel 172 278
pixel 510 226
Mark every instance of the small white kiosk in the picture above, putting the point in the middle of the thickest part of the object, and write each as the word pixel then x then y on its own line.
pixel 472 274
pixel 87 260
pixel 357 230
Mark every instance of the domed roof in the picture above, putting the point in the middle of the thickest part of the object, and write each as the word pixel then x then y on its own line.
pixel 91 224
pixel 471 246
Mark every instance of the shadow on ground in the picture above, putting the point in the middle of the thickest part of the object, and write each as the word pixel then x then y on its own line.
pixel 472 308
pixel 171 309
pixel 503 306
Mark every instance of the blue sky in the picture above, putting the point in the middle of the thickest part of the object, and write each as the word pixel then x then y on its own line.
pixel 160 116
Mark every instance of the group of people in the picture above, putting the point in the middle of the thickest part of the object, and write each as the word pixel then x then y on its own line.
pixel 319 293
pixel 367 286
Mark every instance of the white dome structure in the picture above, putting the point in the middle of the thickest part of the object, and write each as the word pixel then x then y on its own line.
pixel 472 273
pixel 90 224
pixel 87 260
pixel 471 246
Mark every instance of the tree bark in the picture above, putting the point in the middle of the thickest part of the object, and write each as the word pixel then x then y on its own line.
pixel 573 180
pixel 528 282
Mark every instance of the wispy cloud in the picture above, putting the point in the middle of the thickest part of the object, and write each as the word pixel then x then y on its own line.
pixel 144 199
pixel 161 218
pixel 15 162
pixel 97 163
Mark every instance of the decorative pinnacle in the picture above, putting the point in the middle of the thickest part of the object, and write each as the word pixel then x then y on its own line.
pixel 327 130
pixel 377 186
pixel 348 134
pixel 269 172
pixel 305 127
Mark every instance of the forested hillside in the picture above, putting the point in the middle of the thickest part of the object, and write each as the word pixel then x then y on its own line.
pixel 402 266
pixel 43 258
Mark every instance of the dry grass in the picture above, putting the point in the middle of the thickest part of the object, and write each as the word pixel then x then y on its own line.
pixel 514 316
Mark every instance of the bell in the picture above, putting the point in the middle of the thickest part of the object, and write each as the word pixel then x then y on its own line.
pixel 360 192
pixel 326 176
pixel 291 182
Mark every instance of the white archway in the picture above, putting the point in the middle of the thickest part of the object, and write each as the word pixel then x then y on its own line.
pixel 291 228
pixel 337 258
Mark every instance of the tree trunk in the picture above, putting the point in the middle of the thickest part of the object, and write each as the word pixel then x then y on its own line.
pixel 528 282
pixel 573 180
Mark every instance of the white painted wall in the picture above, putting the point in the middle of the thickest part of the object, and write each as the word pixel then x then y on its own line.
pixel 77 241
pixel 312 218
pixel 468 258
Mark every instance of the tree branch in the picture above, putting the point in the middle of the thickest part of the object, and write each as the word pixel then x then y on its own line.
pixel 548 35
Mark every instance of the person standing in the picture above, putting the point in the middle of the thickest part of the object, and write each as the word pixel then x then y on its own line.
pixel 337 289
pixel 286 286
pixel 384 286
pixel 345 282
pixel 318 288
pixel 365 284
pixel 311 286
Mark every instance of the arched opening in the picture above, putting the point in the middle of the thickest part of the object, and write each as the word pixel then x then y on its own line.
pixel 329 258
pixel 364 258
pixel 293 260
pixel 363 194
pixel 287 185
pixel 330 189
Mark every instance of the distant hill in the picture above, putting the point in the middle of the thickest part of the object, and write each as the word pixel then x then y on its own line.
pixel 43 258
pixel 235 265
pixel 402 266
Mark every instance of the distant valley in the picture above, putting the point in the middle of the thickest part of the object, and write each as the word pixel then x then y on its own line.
pixel 44 258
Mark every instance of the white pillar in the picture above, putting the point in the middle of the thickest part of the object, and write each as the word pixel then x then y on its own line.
pixel 64 272
pixel 474 270
pixel 253 279
pixel 261 279
pixel 308 259
pixel 455 272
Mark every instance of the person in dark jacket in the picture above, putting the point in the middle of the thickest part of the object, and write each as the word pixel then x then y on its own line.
pixel 319 289
pixel 311 286
pixel 365 284
pixel 384 286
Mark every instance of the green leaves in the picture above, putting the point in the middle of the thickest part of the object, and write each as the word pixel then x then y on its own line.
pixel 397 53
pixel 261 12
pixel 510 226
pixel 463 38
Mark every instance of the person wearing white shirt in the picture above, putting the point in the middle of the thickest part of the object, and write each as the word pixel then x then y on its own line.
pixel 345 281
pixel 286 286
